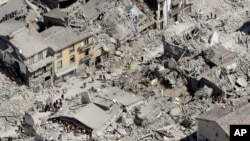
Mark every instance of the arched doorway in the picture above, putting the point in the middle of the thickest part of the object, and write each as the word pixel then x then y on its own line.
pixel 47 78
pixel 47 81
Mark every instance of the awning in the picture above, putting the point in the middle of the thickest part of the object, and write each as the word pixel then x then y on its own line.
pixel 42 63
pixel 66 70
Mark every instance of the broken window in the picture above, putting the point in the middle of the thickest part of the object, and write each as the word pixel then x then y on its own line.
pixel 38 72
pixel 71 49
pixel 161 25
pixel 72 59
pixel 31 60
pixel 48 68
pixel 90 40
pixel 161 13
pixel 98 60
pixel 59 64
pixel 59 55
pixel 40 56
pixel 174 6
pixel 86 52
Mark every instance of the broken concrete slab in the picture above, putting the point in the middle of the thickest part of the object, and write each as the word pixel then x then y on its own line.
pixel 242 82
pixel 214 39
pixel 119 96
pixel 174 112
pixel 118 53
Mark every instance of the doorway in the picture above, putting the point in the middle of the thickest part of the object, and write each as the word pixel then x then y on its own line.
pixel 47 81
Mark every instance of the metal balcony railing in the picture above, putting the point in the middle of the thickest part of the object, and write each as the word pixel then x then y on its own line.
pixel 87 57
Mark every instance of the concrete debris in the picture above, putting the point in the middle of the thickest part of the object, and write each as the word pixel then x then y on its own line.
pixel 203 93
pixel 242 82
pixel 118 53
pixel 214 39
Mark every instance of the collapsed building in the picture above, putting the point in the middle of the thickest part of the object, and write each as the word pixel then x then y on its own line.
pixel 120 22
pixel 214 124
pixel 169 11
pixel 89 114
pixel 204 70
pixel 92 122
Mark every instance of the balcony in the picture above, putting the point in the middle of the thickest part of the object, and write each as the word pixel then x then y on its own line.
pixel 65 70
pixel 85 47
pixel 86 57
pixel 40 64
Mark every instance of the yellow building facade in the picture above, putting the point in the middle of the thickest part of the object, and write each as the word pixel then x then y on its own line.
pixel 70 50
pixel 73 55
